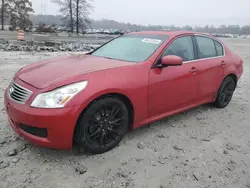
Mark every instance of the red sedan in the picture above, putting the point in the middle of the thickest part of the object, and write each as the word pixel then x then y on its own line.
pixel 130 81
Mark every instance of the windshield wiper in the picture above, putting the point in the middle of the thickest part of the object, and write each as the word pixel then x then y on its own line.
pixel 106 57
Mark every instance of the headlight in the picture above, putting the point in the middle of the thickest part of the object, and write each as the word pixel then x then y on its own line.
pixel 58 98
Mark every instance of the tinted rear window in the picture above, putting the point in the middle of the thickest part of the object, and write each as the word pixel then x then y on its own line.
pixel 219 48
pixel 206 47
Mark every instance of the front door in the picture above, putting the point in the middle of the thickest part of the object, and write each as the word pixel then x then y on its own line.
pixel 174 87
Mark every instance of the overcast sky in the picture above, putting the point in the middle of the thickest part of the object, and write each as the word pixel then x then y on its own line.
pixel 165 12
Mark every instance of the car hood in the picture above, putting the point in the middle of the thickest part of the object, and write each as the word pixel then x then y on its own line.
pixel 52 71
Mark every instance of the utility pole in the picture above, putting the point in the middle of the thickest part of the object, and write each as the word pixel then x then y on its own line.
pixel 77 17
pixel 2 14
pixel 45 12
pixel 71 16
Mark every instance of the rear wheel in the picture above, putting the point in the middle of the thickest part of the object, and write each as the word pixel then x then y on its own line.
pixel 225 92
pixel 103 125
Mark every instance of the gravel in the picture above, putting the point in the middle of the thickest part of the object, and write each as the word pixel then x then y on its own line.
pixel 15 160
pixel 12 153
pixel 81 169
pixel 140 145
pixel 203 147
pixel 4 164
pixel 49 47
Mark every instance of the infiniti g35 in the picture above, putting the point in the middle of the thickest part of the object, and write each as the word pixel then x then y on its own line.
pixel 132 80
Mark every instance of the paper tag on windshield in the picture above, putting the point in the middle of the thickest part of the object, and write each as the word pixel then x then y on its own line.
pixel 152 41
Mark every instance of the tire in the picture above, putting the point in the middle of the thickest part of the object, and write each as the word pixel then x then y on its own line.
pixel 225 92
pixel 103 125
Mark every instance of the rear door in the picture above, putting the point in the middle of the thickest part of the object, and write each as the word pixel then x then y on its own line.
pixel 211 63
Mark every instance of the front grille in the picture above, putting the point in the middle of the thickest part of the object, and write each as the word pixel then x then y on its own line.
pixel 18 93
pixel 40 132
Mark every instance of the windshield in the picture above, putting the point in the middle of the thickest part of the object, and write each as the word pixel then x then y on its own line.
pixel 133 48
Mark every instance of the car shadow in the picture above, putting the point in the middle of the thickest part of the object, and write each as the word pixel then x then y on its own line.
pixel 131 136
pixel 171 121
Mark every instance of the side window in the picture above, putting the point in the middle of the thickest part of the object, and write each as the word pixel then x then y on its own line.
pixel 182 47
pixel 219 48
pixel 206 47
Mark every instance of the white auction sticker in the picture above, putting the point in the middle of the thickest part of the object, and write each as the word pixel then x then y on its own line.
pixel 152 41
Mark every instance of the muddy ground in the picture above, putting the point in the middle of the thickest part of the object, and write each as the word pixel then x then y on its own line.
pixel 204 147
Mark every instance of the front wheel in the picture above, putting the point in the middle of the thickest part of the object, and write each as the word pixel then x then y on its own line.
pixel 225 92
pixel 103 125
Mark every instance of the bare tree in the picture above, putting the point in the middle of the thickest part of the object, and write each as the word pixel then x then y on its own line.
pixel 2 16
pixel 66 8
pixel 71 16
pixel 19 11
pixel 3 13
pixel 83 8
pixel 75 12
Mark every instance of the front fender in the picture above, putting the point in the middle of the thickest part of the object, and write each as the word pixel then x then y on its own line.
pixel 138 101
pixel 99 94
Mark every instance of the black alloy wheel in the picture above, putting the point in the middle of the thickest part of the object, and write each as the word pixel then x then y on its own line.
pixel 225 93
pixel 103 125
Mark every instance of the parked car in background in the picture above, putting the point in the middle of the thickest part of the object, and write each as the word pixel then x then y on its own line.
pixel 133 80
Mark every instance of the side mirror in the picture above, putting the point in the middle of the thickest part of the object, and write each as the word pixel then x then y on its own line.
pixel 171 60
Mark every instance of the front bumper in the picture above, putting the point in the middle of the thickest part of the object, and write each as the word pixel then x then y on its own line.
pixel 58 123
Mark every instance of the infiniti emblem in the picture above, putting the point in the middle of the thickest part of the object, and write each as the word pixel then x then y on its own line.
pixel 11 90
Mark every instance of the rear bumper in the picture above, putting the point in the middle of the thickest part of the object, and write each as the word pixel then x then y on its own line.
pixel 58 123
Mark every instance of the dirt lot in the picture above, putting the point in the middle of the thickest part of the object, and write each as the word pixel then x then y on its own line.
pixel 204 147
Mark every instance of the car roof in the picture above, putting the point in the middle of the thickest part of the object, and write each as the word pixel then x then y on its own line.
pixel 168 33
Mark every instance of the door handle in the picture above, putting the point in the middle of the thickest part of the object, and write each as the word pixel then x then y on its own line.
pixel 223 63
pixel 193 70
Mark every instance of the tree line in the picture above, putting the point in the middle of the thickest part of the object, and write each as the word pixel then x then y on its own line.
pixel 230 29
pixel 17 13
pixel 74 15
pixel 112 24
